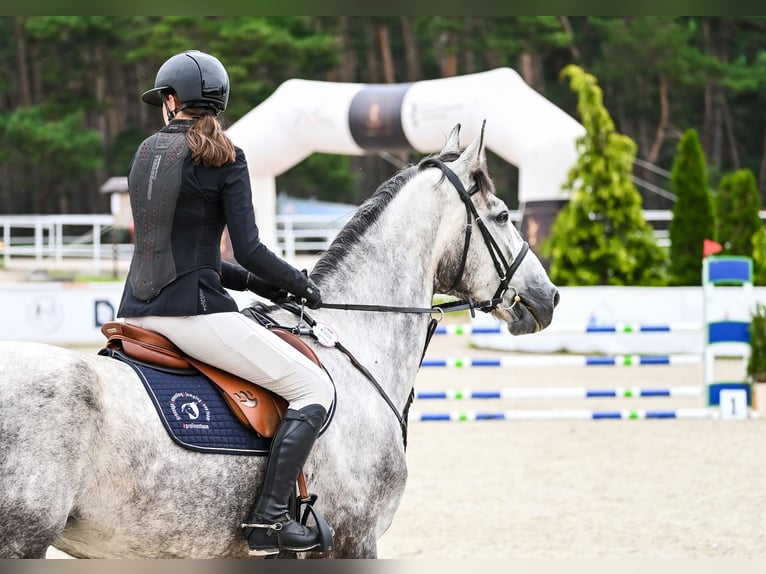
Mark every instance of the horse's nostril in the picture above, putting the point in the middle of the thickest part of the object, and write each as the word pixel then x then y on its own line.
pixel 556 298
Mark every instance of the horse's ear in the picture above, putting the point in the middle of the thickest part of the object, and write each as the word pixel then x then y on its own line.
pixel 474 156
pixel 482 147
pixel 453 142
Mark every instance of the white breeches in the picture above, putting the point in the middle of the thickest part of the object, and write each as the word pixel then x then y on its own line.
pixel 238 345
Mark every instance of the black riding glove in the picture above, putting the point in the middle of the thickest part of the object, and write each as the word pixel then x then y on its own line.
pixel 310 293
pixel 265 289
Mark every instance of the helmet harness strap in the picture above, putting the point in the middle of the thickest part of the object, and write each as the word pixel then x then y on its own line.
pixel 168 112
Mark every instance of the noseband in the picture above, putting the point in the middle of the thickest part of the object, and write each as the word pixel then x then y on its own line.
pixel 504 270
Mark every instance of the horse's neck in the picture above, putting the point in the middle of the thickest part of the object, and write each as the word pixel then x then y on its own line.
pixel 393 264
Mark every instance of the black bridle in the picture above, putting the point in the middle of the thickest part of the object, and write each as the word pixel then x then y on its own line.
pixel 505 270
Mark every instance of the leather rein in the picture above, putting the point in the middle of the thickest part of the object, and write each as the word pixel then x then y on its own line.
pixel 504 270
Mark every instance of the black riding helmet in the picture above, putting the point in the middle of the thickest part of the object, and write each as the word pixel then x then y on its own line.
pixel 199 80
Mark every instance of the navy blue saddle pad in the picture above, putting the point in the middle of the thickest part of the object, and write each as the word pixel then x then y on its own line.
pixel 194 412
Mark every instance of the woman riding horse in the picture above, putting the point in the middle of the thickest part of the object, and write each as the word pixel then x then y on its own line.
pixel 187 182
pixel 87 466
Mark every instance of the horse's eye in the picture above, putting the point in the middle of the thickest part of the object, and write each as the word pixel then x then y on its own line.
pixel 502 217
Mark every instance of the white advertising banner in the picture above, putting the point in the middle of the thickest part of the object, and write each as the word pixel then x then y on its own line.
pixel 72 313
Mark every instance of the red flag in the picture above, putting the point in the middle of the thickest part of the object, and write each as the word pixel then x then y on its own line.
pixel 709 247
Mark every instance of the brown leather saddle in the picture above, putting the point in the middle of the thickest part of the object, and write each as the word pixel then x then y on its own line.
pixel 255 407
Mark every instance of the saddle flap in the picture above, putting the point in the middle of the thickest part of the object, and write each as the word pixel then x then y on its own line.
pixel 254 406
pixel 144 345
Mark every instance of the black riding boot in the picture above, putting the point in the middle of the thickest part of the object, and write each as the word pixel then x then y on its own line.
pixel 271 528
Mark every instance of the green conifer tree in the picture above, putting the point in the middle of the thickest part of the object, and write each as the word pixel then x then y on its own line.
pixel 600 236
pixel 759 256
pixel 738 219
pixel 693 219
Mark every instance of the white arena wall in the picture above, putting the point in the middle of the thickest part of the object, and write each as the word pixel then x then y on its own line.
pixel 65 313
pixel 670 306
pixel 72 313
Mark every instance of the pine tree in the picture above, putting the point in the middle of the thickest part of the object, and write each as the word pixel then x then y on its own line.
pixel 738 219
pixel 759 256
pixel 693 219
pixel 600 236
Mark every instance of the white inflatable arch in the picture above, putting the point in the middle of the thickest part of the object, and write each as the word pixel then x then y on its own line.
pixel 302 117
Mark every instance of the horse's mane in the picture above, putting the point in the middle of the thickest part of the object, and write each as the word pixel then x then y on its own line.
pixel 369 212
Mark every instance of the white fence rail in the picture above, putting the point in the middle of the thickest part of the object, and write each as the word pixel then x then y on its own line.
pixel 48 240
pixel 307 234
pixel 313 233
pixel 296 234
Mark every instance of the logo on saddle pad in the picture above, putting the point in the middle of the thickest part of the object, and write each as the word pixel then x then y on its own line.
pixel 190 407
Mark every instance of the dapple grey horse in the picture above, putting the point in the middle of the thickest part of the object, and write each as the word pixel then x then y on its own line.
pixel 87 466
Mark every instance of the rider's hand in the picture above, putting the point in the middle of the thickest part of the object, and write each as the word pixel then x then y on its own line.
pixel 310 293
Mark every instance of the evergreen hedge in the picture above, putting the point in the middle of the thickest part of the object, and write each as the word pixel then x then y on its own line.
pixel 600 236
pixel 693 214
pixel 738 204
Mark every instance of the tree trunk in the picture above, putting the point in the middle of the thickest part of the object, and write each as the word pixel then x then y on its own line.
pixel 716 141
pixel 762 172
pixel 473 28
pixel 411 56
pixel 707 120
pixel 531 70
pixel 526 68
pixel 100 88
pixel 449 65
pixel 350 57
pixel 643 129
pixel 37 76
pixel 344 71
pixel 567 26
pixel 115 113
pixel 492 59
pixel 373 69
pixel 724 54
pixel 721 50
pixel 712 140
pixel 736 164
pixel 446 57
pixel 22 73
pixel 386 58
pixel 538 72
pixel 662 127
